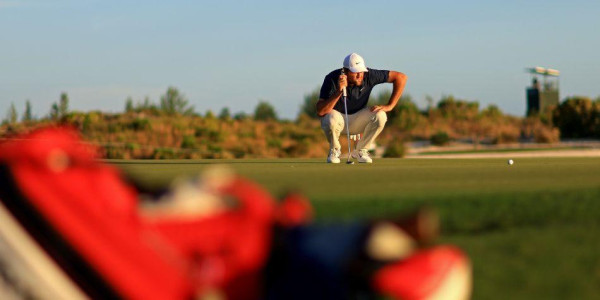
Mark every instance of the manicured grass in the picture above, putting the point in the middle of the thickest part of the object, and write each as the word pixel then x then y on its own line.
pixel 531 229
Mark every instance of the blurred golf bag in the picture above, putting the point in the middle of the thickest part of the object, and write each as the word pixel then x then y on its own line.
pixel 72 227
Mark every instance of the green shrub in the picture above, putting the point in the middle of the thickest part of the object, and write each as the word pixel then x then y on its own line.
pixel 299 135
pixel 189 142
pixel 87 123
pixel 440 138
pixel 132 146
pixel 215 148
pixel 274 143
pixel 577 117
pixel 201 131
pixel 238 151
pixel 395 149
pixel 264 111
pixel 215 136
pixel 139 124
pixel 113 128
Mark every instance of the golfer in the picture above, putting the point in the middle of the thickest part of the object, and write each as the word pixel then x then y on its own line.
pixel 358 80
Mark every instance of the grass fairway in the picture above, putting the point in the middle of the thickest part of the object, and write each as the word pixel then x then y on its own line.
pixel 531 229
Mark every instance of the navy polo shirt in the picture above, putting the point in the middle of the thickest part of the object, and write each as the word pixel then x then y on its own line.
pixel 358 96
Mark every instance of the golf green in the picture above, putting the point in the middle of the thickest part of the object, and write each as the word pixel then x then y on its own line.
pixel 531 229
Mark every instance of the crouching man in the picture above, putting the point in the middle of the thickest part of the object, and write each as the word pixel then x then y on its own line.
pixel 358 80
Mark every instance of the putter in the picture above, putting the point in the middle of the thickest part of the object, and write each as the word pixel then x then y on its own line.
pixel 349 161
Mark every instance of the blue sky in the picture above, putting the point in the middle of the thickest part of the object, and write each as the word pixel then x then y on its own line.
pixel 236 53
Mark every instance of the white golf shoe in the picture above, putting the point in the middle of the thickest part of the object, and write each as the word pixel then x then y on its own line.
pixel 334 156
pixel 362 155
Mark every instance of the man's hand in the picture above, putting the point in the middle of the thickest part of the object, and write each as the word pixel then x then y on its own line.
pixel 342 82
pixel 384 108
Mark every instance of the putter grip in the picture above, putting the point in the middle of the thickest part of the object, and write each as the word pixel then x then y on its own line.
pixel 344 89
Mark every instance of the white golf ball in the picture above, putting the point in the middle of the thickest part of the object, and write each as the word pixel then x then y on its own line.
pixel 510 162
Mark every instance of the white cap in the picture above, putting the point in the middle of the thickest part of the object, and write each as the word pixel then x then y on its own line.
pixel 355 63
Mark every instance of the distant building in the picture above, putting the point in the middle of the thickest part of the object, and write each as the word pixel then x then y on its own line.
pixel 539 98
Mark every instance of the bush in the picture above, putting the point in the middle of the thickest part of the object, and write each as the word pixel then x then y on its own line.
pixel 114 128
pixel 507 135
pixel 189 142
pixel 576 116
pixel 264 111
pixel 238 151
pixel 458 109
pixel 395 149
pixel 299 135
pixel 201 131
pixel 132 146
pixel 216 136
pixel 140 124
pixel 215 149
pixel 208 134
pixel 241 116
pixel 546 135
pixel 440 138
pixel 405 115
pixel 274 143
pixel 172 102
pixel 87 123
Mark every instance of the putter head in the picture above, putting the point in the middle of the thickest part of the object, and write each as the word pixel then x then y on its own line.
pixel 349 162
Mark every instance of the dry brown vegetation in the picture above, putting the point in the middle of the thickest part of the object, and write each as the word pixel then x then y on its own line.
pixel 171 129
pixel 155 135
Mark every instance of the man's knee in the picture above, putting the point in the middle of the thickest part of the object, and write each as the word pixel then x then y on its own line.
pixel 332 120
pixel 379 119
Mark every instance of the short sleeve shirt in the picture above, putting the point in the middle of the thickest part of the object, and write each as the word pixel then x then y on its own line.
pixel 358 96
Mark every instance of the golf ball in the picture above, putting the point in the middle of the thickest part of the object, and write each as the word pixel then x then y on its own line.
pixel 510 162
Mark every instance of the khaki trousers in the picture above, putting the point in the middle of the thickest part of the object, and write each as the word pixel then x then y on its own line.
pixel 364 122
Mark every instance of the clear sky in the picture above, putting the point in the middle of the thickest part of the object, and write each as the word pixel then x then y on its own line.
pixel 236 53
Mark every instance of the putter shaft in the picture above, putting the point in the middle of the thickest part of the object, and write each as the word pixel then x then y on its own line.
pixel 344 95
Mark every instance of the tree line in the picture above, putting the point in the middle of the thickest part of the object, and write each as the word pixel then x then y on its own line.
pixel 575 117
pixel 171 103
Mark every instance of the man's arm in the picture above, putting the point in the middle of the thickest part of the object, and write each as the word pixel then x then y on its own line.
pixel 399 81
pixel 325 106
